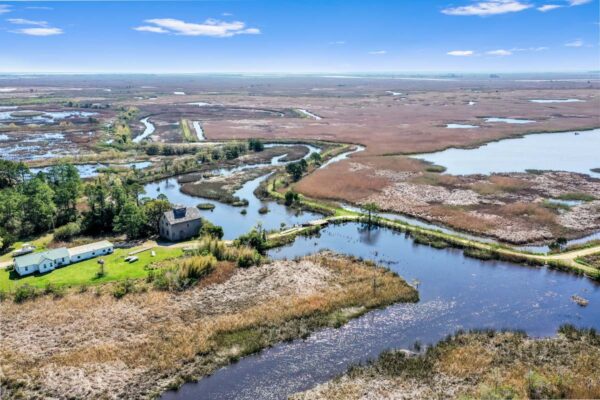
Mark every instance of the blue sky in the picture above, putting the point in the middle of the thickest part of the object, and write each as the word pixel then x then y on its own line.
pixel 300 36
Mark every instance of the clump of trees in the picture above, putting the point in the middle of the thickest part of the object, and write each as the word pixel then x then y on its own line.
pixel 31 204
pixel 115 206
pixel 297 169
pixel 291 198
pixel 255 145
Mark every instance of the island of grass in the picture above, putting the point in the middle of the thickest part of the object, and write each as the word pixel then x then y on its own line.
pixel 182 323
pixel 478 365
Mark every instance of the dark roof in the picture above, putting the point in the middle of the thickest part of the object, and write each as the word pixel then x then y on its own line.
pixel 183 214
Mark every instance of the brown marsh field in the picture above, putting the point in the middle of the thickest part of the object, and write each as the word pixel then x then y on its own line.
pixel 393 116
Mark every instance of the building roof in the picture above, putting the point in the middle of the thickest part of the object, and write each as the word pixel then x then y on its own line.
pixel 38 258
pixel 183 214
pixel 73 251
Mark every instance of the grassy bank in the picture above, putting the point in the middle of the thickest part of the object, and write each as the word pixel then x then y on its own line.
pixel 479 365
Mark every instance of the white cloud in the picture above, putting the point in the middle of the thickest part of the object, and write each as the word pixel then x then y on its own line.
pixel 461 53
pixel 21 21
pixel 499 52
pixel 540 48
pixel 226 14
pixel 378 52
pixel 575 43
pixel 38 8
pixel 153 29
pixel 40 31
pixel 579 2
pixel 491 7
pixel 338 42
pixel 4 8
pixel 549 7
pixel 210 27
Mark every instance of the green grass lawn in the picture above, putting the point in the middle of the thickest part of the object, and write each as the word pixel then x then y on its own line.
pixel 84 273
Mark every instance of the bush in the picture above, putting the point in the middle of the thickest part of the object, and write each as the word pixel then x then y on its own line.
pixel 212 230
pixel 291 197
pixel 247 257
pixel 54 290
pixel 25 292
pixel 263 210
pixel 255 239
pixel 123 288
pixel 183 275
pixel 66 232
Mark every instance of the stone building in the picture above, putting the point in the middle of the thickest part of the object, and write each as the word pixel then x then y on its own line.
pixel 180 223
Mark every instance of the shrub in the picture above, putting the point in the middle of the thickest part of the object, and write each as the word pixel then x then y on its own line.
pixel 212 230
pixel 25 292
pixel 247 257
pixel 263 210
pixel 291 197
pixel 256 239
pixel 123 288
pixel 53 289
pixel 66 232
pixel 184 274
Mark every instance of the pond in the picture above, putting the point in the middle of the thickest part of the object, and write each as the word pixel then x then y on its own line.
pixel 91 170
pixel 564 151
pixel 548 101
pixel 456 292
pixel 510 120
pixel 461 126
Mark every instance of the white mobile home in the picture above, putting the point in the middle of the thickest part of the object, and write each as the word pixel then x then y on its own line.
pixel 42 262
pixel 48 260
pixel 91 250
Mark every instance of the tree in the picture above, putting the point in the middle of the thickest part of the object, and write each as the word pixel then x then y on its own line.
pixel 296 169
pixel 131 221
pixel 316 158
pixel 154 209
pixel 39 207
pixel 291 197
pixel 370 208
pixel 255 145
pixel 66 183
pixel 12 173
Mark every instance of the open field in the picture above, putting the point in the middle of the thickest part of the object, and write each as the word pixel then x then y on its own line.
pixel 478 365
pixel 151 340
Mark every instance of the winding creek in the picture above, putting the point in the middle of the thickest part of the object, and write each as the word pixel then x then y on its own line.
pixel 456 292
pixel 150 128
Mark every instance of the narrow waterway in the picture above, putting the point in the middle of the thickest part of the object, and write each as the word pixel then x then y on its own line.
pixel 456 292
pixel 147 132
pixel 233 221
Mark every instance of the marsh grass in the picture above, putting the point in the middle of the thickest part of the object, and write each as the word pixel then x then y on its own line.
pixel 151 340
pixel 481 364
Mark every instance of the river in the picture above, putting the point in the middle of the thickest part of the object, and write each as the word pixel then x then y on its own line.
pixel 456 292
